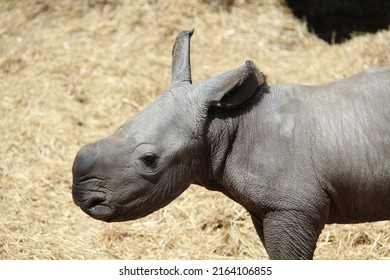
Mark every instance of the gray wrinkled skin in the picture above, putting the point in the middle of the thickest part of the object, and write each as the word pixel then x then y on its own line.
pixel 296 157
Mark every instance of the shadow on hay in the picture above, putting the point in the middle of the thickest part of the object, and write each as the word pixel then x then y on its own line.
pixel 334 21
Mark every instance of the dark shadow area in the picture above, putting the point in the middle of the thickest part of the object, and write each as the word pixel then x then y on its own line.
pixel 336 20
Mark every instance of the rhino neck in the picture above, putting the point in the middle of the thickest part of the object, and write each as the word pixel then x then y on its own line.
pixel 222 127
pixel 221 136
pixel 218 139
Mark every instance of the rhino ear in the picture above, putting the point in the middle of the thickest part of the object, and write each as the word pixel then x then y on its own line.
pixel 235 87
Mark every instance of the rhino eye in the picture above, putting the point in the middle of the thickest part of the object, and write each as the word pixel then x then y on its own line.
pixel 149 159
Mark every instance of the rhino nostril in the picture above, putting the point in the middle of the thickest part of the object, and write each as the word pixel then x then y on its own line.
pixel 95 200
pixel 85 160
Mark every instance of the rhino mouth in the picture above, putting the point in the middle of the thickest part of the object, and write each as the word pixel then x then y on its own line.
pixel 96 206
pixel 92 202
pixel 101 212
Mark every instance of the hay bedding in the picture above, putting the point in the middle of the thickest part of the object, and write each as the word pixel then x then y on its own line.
pixel 72 71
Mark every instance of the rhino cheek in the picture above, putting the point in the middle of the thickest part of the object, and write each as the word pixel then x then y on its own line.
pixel 135 194
pixel 129 198
pixel 146 200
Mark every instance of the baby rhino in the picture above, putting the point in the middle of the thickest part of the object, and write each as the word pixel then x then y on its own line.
pixel 296 157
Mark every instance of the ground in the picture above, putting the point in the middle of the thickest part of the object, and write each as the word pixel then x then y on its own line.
pixel 71 72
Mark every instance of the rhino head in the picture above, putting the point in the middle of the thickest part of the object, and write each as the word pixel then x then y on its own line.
pixel 151 159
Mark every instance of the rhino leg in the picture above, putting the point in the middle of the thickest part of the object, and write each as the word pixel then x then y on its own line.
pixel 291 234
pixel 259 228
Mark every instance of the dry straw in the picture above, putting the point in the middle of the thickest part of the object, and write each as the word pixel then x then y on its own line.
pixel 71 72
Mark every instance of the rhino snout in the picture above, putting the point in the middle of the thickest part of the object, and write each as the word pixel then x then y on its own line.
pixel 85 161
pixel 87 188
